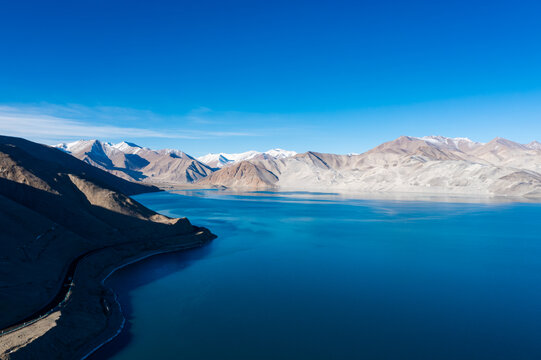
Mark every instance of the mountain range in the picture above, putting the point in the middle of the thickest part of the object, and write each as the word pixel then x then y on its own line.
pixel 430 164
pixel 167 166
pixel 132 162
pixel 222 159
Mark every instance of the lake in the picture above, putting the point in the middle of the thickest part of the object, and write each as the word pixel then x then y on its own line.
pixel 319 276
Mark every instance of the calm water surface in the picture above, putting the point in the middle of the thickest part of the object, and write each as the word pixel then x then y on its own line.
pixel 321 278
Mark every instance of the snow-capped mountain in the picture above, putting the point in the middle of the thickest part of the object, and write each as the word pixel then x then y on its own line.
pixel 429 165
pixel 215 160
pixel 280 153
pixel 136 163
pixel 222 159
pixel 126 147
pixel 534 145
pixel 459 143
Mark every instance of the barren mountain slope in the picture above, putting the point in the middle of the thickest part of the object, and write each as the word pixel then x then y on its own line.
pixel 54 207
pixel 246 173
pixel 406 164
pixel 503 152
pixel 133 162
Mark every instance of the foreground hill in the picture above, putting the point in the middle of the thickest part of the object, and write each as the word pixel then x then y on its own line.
pixel 54 209
pixel 435 165
pixel 132 162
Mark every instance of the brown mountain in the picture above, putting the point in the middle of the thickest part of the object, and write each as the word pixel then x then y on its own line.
pixel 132 162
pixel 53 209
pixel 428 165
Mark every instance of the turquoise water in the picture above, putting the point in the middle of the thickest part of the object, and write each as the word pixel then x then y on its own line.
pixel 317 277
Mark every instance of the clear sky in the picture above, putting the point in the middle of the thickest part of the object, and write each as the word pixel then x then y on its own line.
pixel 210 76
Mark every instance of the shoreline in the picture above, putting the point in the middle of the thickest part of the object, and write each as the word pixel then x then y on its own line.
pixel 121 327
pixel 92 316
pixel 330 194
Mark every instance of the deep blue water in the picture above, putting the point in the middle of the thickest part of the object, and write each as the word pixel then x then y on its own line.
pixel 321 278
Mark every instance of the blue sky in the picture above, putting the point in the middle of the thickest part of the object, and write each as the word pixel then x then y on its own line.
pixel 210 76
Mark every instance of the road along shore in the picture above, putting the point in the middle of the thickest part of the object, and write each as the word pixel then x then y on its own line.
pixel 89 315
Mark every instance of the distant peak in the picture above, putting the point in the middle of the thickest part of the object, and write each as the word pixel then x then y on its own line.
pixel 280 153
pixel 501 140
pixel 221 159
pixel 175 153
pixel 535 145
pixel 125 144
pixel 79 145
pixel 443 139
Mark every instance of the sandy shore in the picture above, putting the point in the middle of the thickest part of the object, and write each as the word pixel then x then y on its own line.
pixel 92 316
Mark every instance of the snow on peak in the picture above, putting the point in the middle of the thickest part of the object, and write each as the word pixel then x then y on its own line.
pixel 280 153
pixel 445 140
pixel 175 153
pixel 96 145
pixel 221 159
pixel 247 155
pixel 214 160
pixel 458 143
pixel 127 147
pixel 79 145
pixel 534 145
pixel 62 146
